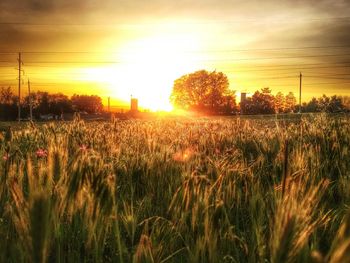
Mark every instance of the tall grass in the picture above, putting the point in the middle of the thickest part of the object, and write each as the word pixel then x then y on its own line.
pixel 206 190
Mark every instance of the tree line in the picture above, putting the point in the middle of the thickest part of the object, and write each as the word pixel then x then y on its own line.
pixel 201 91
pixel 44 103
pixel 209 93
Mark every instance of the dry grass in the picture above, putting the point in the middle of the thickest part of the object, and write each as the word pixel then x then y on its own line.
pixel 207 190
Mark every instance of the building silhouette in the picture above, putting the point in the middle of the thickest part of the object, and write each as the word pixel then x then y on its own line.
pixel 134 105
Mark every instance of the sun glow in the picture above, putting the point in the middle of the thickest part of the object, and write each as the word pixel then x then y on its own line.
pixel 151 65
pixel 147 68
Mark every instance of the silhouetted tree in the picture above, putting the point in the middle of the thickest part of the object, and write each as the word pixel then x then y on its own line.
pixel 6 95
pixel 90 104
pixel 290 102
pixel 336 104
pixel 346 103
pixel 45 103
pixel 312 106
pixel 60 104
pixel 279 102
pixel 260 103
pixel 8 104
pixel 331 104
pixel 325 104
pixel 203 91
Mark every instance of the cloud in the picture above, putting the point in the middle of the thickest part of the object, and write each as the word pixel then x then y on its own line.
pixel 111 10
pixel 270 23
pixel 49 38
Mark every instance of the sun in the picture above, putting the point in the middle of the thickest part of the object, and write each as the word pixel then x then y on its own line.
pixel 149 67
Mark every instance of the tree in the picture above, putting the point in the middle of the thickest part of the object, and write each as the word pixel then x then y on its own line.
pixel 330 104
pixel 326 104
pixel 336 104
pixel 43 103
pixel 346 103
pixel 279 102
pixel 203 91
pixel 6 95
pixel 60 103
pixel 291 101
pixel 46 103
pixel 8 104
pixel 260 103
pixel 312 106
pixel 90 104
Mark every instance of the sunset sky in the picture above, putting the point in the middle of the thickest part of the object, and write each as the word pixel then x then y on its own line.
pixel 123 48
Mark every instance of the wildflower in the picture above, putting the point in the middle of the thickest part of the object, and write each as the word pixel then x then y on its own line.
pixel 41 153
pixel 83 148
pixel 6 156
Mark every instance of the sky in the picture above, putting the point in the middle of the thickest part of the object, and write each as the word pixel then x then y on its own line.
pixel 138 48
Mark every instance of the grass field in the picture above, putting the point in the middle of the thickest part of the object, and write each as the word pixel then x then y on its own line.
pixel 170 190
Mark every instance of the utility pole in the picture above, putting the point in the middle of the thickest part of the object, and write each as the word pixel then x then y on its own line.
pixel 19 85
pixel 109 104
pixel 300 82
pixel 30 102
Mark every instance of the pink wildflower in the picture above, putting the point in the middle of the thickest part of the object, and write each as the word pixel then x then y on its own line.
pixel 6 156
pixel 83 148
pixel 41 153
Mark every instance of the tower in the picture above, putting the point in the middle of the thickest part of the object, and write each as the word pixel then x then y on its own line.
pixel 134 105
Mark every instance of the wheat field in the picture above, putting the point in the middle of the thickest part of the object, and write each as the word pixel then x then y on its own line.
pixel 171 190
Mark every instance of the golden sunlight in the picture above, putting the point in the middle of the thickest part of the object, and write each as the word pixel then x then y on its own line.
pixel 149 66
pixel 146 69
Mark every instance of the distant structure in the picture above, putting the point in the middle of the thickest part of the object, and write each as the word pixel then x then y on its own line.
pixel 243 100
pixel 134 105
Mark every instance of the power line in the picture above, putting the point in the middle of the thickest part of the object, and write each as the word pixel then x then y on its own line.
pixel 234 71
pixel 325 77
pixel 69 62
pixel 269 67
pixel 302 64
pixel 284 57
pixel 271 78
pixel 330 73
pixel 255 66
pixel 311 84
pixel 285 19
pixel 281 69
pixel 204 60
pixel 37 82
pixel 326 83
pixel 218 50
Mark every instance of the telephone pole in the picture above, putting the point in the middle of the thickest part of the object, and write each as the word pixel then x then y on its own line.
pixel 30 102
pixel 19 85
pixel 300 82
pixel 109 104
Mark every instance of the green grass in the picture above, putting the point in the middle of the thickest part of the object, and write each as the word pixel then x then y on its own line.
pixel 171 190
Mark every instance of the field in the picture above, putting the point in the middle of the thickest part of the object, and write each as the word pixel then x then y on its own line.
pixel 170 190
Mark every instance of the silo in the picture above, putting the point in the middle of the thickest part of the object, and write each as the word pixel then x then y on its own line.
pixel 134 105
